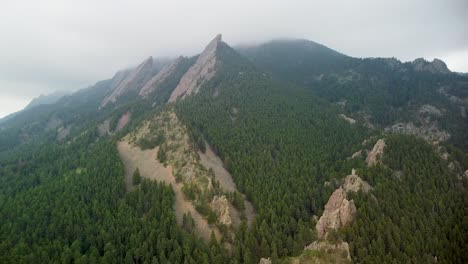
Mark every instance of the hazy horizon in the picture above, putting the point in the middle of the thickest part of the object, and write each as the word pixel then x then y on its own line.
pixel 64 45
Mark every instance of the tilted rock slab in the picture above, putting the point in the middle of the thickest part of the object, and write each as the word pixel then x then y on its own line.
pixel 202 71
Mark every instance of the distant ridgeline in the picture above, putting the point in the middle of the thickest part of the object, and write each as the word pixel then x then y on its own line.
pixel 288 120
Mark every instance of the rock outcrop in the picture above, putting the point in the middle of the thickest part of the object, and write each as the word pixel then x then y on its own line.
pixel 202 71
pixel 265 261
pixel 436 66
pixel 220 205
pixel 132 81
pixel 162 75
pixel 347 119
pixel 357 154
pixel 339 211
pixel 428 131
pixel 354 183
pixel 377 151
pixel 340 249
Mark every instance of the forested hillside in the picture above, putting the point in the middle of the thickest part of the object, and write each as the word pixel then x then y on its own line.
pixel 288 119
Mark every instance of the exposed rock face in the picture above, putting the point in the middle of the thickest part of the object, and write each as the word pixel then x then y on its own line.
pixel 347 119
pixel 436 66
pixel 429 131
pixel 376 152
pixel 357 154
pixel 220 206
pixel 354 183
pixel 265 261
pixel 325 246
pixel 133 81
pixel 338 212
pixel 202 71
pixel 465 175
pixel 162 75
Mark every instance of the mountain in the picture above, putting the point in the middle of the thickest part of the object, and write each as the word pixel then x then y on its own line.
pixel 243 156
pixel 47 99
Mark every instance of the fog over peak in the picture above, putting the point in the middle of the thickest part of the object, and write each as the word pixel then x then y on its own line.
pixel 55 45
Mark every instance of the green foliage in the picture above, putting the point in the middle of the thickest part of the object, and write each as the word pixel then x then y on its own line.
pixel 67 203
pixel 414 217
pixel 136 178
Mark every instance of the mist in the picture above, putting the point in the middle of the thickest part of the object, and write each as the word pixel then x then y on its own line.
pixel 55 45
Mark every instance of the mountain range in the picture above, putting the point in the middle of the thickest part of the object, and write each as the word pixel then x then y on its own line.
pixel 283 152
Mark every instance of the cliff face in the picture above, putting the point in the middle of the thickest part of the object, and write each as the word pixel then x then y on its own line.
pixel 202 71
pixel 132 81
pixel 339 211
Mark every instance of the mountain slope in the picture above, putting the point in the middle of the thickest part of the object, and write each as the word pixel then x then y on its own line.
pixel 277 117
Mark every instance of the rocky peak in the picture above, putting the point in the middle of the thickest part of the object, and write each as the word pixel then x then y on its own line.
pixel 436 66
pixel 132 81
pixel 202 71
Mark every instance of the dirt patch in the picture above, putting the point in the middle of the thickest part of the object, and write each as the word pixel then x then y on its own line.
pixel 210 160
pixel 123 121
pixel 150 168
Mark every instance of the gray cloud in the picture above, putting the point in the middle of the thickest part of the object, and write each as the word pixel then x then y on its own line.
pixel 56 44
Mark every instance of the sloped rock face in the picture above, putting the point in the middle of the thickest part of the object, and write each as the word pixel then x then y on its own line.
pixel 220 206
pixel 202 71
pixel 165 72
pixel 338 212
pixel 133 81
pixel 436 66
pixel 376 152
pixel 354 183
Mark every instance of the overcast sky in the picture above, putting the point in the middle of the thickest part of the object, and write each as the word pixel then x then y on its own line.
pixel 51 45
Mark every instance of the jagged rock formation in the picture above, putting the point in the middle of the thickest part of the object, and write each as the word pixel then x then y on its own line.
pixel 202 71
pixel 436 66
pixel 339 211
pixel 133 81
pixel 162 75
pixel 347 119
pixel 376 152
pixel 220 206
pixel 354 183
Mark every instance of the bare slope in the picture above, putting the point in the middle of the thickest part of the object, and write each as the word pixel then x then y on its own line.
pixel 210 160
pixel 145 160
